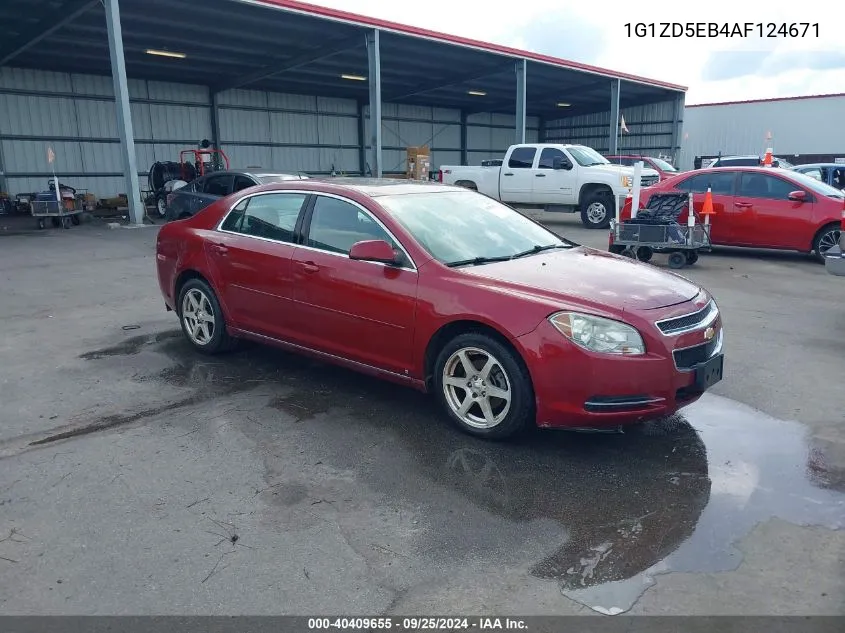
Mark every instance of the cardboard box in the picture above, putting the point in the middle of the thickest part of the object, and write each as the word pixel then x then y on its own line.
pixel 418 163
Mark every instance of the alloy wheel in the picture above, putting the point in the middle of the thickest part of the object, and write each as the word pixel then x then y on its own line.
pixel 828 240
pixel 477 388
pixel 198 316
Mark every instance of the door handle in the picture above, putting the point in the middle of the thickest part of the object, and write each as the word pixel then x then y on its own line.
pixel 540 175
pixel 742 205
pixel 220 249
pixel 508 174
pixel 309 267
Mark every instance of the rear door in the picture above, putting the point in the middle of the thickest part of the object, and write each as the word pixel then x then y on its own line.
pixel 776 221
pixel 725 223
pixel 516 183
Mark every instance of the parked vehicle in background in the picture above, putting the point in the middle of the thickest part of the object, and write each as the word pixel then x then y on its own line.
pixel 446 291
pixel 663 168
pixel 761 207
pixel 558 177
pixel 186 201
pixel 749 161
pixel 832 174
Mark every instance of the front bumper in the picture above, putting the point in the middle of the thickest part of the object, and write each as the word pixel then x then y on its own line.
pixel 578 389
pixel 834 261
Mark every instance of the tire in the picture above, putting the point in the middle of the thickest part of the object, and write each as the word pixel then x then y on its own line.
pixel 596 211
pixel 827 237
pixel 644 254
pixel 692 257
pixel 75 219
pixel 677 260
pixel 161 206
pixel 197 292
pixel 504 417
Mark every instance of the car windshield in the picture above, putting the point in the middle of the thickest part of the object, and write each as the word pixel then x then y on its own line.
pixel 586 156
pixel 266 179
pixel 816 185
pixel 459 227
pixel 663 165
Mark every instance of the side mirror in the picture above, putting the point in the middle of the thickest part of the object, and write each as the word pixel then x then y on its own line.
pixel 374 251
pixel 561 163
pixel 798 196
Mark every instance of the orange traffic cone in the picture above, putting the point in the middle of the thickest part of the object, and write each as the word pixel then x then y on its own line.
pixel 707 207
pixel 767 159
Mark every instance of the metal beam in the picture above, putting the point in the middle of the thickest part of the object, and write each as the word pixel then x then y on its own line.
pixel 215 120
pixel 374 79
pixel 464 143
pixel 328 49
pixel 521 69
pixel 48 23
pixel 615 89
pixel 677 127
pixel 124 114
pixel 474 75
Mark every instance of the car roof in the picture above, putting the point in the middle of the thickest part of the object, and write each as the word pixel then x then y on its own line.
pixel 842 165
pixel 744 168
pixel 375 187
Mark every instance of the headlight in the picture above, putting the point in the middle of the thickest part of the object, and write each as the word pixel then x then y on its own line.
pixel 627 181
pixel 599 335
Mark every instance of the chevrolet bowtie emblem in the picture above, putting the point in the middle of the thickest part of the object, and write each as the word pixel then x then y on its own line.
pixel 709 333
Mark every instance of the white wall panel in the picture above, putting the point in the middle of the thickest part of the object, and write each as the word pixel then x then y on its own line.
pixel 287 127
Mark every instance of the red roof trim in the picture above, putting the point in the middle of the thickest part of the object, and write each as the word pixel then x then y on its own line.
pixel 346 16
pixel 773 99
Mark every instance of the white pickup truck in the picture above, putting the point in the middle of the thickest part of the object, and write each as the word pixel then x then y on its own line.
pixel 557 177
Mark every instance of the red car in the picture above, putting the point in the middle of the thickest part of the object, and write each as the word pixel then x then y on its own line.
pixel 761 207
pixel 664 169
pixel 447 291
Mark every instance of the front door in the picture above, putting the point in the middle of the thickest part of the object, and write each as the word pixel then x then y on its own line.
pixel 727 218
pixel 516 182
pixel 363 311
pixel 251 259
pixel 778 222
pixel 553 186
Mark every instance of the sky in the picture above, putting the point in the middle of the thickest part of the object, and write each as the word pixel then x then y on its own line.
pixel 594 32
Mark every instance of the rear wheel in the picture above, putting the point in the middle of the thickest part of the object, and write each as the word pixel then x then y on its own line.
pixel 202 318
pixel 692 257
pixel 161 206
pixel 596 211
pixel 826 239
pixel 677 260
pixel 645 253
pixel 483 386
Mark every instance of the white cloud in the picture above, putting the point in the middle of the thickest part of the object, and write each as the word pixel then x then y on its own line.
pixel 594 32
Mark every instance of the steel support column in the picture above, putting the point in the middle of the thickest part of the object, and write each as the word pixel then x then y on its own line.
pixel 2 171
pixel 215 119
pixel 374 79
pixel 464 144
pixel 124 114
pixel 677 128
pixel 521 71
pixel 362 139
pixel 613 145
pixel 541 133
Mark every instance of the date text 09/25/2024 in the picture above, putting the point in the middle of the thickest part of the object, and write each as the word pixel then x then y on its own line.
pixel 722 29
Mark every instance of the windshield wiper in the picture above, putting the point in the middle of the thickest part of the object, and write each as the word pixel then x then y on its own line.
pixel 475 261
pixel 539 249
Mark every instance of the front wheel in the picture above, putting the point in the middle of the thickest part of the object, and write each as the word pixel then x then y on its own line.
pixel 826 239
pixel 483 386
pixel 596 211
pixel 202 318
pixel 161 206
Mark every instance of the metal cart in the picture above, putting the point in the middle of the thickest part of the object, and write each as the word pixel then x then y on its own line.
pixel 62 213
pixel 656 230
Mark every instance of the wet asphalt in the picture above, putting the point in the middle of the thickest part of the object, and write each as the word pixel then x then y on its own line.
pixel 139 477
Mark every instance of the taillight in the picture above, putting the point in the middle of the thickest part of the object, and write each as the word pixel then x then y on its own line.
pixel 439 175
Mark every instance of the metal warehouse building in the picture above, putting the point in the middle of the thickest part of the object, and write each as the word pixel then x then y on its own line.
pixel 799 129
pixel 113 86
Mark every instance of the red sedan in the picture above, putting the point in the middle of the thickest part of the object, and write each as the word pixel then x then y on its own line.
pixel 761 207
pixel 447 291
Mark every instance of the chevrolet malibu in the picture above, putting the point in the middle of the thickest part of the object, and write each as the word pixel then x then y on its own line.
pixel 447 291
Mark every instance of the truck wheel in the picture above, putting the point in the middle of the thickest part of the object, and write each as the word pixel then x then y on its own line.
pixel 596 211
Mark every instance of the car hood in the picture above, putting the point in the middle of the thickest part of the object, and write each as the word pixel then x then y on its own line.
pixel 590 276
pixel 625 170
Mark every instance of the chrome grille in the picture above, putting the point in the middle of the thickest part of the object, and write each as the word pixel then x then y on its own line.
pixel 690 322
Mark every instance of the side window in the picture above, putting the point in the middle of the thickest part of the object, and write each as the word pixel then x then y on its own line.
pixel 233 220
pixel 815 172
pixel 522 158
pixel 838 179
pixel 627 162
pixel 218 185
pixel 273 216
pixel 721 183
pixel 547 158
pixel 756 185
pixel 337 225
pixel 242 182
